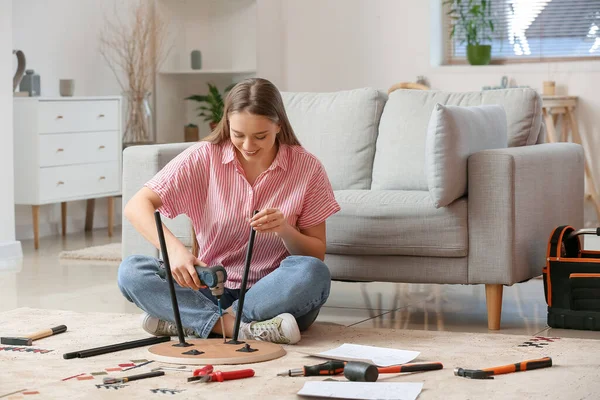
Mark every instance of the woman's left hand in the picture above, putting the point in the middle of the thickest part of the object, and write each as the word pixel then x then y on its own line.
pixel 269 220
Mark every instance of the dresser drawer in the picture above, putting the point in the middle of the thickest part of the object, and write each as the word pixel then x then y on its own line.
pixel 78 116
pixel 78 180
pixel 78 148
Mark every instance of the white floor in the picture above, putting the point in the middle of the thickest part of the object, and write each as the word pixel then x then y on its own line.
pixel 47 282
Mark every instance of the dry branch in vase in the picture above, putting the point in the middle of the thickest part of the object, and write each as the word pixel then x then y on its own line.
pixel 134 49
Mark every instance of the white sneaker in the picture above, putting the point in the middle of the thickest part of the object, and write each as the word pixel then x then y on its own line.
pixel 282 329
pixel 158 327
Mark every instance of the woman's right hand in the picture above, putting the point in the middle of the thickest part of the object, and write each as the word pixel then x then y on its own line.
pixel 182 268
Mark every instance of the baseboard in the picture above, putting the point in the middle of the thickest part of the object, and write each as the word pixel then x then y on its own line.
pixel 11 256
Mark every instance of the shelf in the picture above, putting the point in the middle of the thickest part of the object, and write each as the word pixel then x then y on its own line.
pixel 209 72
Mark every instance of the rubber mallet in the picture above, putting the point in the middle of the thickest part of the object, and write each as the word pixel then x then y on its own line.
pixel 28 340
pixel 359 371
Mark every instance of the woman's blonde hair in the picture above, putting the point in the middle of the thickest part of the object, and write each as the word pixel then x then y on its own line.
pixel 257 96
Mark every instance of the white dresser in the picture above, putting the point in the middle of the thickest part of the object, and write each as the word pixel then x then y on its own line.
pixel 65 149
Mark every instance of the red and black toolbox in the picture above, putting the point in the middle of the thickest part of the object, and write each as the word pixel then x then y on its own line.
pixel 572 280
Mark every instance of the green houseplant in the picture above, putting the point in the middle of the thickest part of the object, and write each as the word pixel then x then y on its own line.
pixel 212 104
pixel 472 20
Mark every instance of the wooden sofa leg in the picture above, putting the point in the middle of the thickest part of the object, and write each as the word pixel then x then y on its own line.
pixel 493 296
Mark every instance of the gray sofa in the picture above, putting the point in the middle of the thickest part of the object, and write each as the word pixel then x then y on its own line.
pixel 373 148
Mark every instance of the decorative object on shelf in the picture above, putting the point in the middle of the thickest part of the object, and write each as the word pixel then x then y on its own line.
pixel 196 59
pixel 422 80
pixel 549 88
pixel 136 50
pixel 138 127
pixel 21 63
pixel 191 133
pixel 407 85
pixel 504 84
pixel 213 110
pixel 31 83
pixel 473 18
pixel 66 87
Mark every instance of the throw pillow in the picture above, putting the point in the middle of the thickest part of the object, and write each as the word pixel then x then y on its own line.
pixel 453 134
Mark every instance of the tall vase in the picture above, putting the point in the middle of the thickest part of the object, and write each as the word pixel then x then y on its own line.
pixel 138 126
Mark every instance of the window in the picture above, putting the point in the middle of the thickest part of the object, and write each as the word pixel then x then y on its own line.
pixel 536 30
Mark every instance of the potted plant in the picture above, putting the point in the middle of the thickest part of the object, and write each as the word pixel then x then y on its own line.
pixel 472 19
pixel 212 104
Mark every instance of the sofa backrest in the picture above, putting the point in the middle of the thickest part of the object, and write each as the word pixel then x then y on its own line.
pixel 399 162
pixel 340 129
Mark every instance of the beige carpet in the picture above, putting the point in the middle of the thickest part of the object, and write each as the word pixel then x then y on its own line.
pixel 573 376
pixel 108 252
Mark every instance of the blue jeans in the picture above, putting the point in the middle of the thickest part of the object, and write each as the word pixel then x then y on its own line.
pixel 300 286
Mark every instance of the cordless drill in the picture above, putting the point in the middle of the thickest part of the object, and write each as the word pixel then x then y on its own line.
pixel 214 277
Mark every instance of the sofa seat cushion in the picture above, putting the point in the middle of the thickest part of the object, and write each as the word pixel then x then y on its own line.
pixel 397 222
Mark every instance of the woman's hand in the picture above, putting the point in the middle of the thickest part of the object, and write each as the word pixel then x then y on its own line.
pixel 269 220
pixel 182 268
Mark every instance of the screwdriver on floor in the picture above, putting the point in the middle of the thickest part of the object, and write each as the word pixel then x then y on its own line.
pixel 110 380
pixel 337 367
pixel 326 368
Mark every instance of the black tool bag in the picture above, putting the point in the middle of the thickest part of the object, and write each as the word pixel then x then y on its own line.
pixel 572 281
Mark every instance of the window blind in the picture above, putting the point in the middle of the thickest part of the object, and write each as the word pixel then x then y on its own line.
pixel 535 30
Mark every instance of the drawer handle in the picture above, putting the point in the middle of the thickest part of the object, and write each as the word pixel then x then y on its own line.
pixel 59 150
pixel 101 116
pixel 102 178
pixel 60 183
pixel 101 147
pixel 59 117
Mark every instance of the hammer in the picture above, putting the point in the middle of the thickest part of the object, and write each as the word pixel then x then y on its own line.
pixel 28 340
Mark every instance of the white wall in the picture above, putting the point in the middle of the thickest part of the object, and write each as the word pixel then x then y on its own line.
pixel 271 42
pixel 7 214
pixel 342 44
pixel 59 39
pixel 308 45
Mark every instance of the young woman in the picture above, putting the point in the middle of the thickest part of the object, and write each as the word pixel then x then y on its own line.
pixel 252 161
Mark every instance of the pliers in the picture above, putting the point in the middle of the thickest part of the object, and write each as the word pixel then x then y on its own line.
pixel 206 374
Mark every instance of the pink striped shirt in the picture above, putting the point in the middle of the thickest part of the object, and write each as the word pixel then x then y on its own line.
pixel 207 183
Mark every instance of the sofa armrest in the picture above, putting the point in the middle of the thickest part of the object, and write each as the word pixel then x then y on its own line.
pixel 516 197
pixel 140 164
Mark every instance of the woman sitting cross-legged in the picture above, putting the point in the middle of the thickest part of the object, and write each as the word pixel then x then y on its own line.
pixel 251 161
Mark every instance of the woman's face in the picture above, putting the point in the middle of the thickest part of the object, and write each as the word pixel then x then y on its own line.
pixel 253 135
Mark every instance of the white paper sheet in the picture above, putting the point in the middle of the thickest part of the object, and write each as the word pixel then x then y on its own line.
pixel 380 356
pixel 362 390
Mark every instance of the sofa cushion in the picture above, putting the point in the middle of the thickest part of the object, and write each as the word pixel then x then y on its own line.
pixel 340 129
pixel 400 157
pixel 454 133
pixel 397 222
